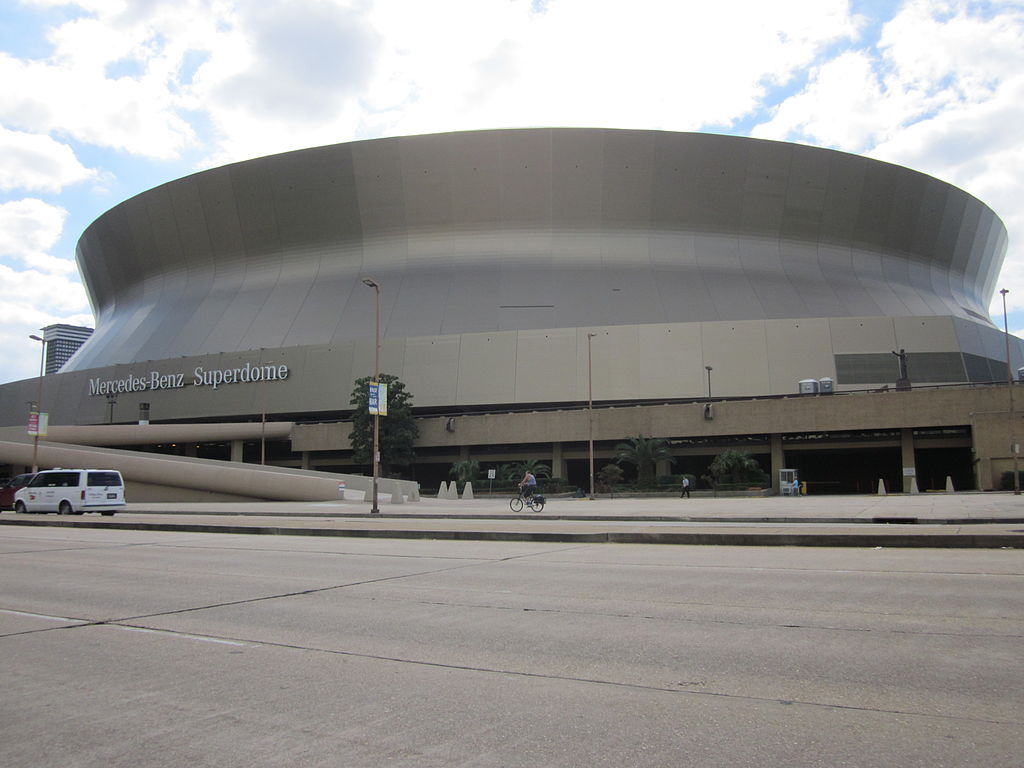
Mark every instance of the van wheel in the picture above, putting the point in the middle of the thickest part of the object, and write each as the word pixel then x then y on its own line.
pixel 65 508
pixel 19 507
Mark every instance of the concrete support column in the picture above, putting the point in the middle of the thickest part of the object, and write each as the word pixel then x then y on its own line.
pixel 983 474
pixel 778 462
pixel 306 463
pixel 558 466
pixel 907 451
pixel 236 450
pixel 662 467
pixel 464 453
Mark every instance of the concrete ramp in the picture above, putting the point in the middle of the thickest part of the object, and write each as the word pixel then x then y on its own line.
pixel 153 477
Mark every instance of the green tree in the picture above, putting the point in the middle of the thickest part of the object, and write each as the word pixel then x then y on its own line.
pixel 506 473
pixel 533 466
pixel 465 471
pixel 644 453
pixel 732 466
pixel 398 430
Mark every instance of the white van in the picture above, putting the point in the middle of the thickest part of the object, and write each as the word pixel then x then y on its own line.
pixel 72 492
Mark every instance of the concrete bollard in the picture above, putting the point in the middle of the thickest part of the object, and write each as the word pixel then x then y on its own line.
pixel 913 485
pixel 414 495
pixel 396 494
pixel 949 485
pixel 467 492
pixel 452 492
pixel 881 487
pixel 442 492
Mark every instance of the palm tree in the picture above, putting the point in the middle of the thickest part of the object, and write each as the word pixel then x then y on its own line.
pixel 734 466
pixel 465 471
pixel 644 453
pixel 533 466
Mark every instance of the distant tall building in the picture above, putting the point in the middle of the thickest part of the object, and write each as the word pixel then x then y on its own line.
pixel 62 341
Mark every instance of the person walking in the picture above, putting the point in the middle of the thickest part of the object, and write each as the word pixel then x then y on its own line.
pixel 686 487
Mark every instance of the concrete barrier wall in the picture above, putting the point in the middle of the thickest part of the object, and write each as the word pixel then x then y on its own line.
pixel 247 481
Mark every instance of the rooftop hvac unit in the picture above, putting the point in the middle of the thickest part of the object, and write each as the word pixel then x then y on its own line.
pixel 809 386
pixel 826 386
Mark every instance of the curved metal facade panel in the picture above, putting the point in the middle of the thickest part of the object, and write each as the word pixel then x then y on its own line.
pixel 517 230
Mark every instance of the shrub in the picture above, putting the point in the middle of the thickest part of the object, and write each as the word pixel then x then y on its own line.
pixel 608 477
pixel 1006 480
pixel 554 485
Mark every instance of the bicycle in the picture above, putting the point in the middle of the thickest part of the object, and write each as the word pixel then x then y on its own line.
pixel 534 501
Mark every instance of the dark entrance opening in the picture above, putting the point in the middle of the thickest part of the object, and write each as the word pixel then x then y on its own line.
pixel 851 470
pixel 934 465
pixel 577 472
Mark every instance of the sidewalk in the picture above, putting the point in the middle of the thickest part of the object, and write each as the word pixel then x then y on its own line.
pixel 932 507
pixel 963 520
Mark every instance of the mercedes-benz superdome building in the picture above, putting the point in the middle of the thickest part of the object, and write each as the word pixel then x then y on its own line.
pixel 525 273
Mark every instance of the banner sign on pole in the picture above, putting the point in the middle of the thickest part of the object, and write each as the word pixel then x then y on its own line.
pixel 37 423
pixel 378 398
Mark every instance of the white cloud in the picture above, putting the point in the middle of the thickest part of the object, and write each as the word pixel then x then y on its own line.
pixel 843 105
pixel 123 114
pixel 677 66
pixel 28 229
pixel 931 58
pixel 951 47
pixel 392 67
pixel 37 162
pixel 301 66
pixel 284 75
pixel 79 91
pixel 281 75
pixel 30 300
pixel 40 297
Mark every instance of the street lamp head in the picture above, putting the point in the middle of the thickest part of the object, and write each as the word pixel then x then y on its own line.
pixel 1004 291
pixel 370 282
pixel 36 338
pixel 708 368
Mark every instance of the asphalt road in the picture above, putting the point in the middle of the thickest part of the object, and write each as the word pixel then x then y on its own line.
pixel 167 649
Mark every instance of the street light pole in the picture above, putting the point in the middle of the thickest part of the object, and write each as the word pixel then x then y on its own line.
pixel 374 509
pixel 708 369
pixel 590 409
pixel 39 402
pixel 1009 383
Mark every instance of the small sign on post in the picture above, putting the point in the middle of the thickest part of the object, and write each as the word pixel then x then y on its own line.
pixel 378 398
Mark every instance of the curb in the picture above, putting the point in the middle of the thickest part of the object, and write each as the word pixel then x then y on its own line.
pixel 1011 540
pixel 889 520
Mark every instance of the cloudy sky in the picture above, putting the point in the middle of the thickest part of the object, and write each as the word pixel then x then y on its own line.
pixel 102 99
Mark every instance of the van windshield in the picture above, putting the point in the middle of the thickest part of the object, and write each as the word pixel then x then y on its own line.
pixel 104 478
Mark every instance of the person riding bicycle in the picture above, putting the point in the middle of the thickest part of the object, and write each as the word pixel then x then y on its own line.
pixel 528 485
